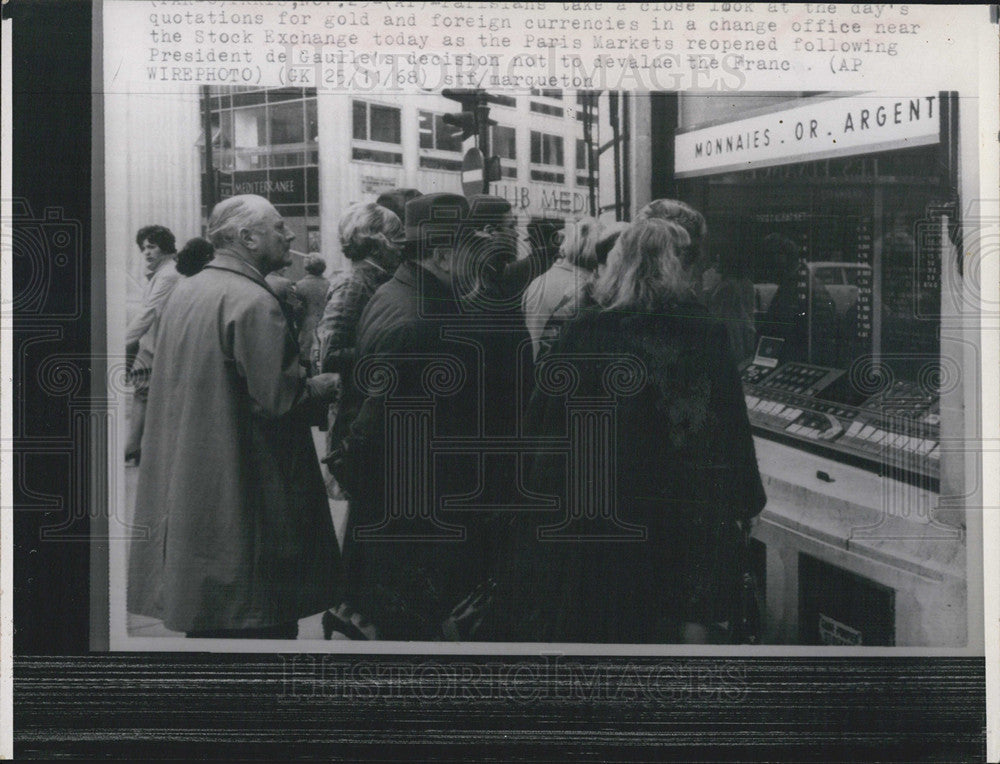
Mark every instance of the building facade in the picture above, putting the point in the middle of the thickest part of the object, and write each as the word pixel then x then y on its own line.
pixel 314 156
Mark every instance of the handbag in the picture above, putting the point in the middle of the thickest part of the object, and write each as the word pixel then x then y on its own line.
pixel 746 622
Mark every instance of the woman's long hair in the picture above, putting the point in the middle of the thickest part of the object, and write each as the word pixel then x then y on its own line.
pixel 644 269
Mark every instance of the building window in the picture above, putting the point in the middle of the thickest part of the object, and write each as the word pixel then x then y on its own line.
pixel 435 134
pixel 503 142
pixel 554 94
pixel 373 122
pixel 547 149
pixel 286 123
pixel 582 162
pixel 261 129
pixel 544 108
pixel 586 102
pixel 504 100
pixel 440 163
pixel 371 155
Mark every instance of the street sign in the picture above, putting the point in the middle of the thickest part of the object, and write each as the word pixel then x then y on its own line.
pixel 472 173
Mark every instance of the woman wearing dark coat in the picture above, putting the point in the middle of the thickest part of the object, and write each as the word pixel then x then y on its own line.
pixel 643 548
pixel 371 238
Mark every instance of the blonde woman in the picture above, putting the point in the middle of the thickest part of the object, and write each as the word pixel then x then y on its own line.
pixel 557 295
pixel 657 520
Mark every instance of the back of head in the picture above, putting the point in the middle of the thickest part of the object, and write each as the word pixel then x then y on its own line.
pixel 314 265
pixel 780 249
pixel 234 214
pixel 368 229
pixel 607 237
pixel 194 256
pixel 487 210
pixel 645 271
pixel 434 221
pixel 545 237
pixel 579 243
pixel 487 244
pixel 396 199
pixel 159 235
pixel 692 221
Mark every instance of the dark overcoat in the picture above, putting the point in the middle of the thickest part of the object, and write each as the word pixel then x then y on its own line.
pixel 232 523
pixel 419 528
pixel 644 537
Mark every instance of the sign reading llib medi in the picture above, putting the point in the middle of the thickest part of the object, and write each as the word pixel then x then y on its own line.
pixel 817 129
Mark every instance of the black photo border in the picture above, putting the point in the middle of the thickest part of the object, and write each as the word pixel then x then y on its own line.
pixel 70 701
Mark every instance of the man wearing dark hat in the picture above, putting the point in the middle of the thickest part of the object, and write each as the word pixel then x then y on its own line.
pixel 396 199
pixel 410 558
pixel 496 324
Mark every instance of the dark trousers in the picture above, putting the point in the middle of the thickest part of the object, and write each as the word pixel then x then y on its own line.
pixel 288 630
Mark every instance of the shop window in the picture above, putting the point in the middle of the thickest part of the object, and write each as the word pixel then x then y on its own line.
pixel 265 141
pixel 251 98
pixel 435 134
pixel 285 94
pixel 286 123
pixel 312 124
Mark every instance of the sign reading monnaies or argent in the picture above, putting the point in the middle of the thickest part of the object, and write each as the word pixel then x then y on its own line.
pixel 818 130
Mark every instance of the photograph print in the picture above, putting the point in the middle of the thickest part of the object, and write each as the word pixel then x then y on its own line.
pixel 541 367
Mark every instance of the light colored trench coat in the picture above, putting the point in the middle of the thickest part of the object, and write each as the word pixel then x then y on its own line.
pixel 232 524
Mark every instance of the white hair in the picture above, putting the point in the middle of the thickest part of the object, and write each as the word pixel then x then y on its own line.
pixel 579 242
pixel 232 215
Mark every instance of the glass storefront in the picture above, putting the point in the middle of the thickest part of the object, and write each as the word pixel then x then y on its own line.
pixel 266 141
pixel 838 265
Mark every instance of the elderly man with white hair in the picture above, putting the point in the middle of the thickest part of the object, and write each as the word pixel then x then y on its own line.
pixel 233 535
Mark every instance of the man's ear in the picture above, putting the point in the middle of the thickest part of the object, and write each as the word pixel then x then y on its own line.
pixel 246 238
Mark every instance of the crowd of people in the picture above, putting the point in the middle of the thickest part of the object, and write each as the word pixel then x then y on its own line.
pixel 543 446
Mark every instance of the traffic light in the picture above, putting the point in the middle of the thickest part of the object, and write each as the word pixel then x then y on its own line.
pixel 492 171
pixel 474 119
pixel 464 122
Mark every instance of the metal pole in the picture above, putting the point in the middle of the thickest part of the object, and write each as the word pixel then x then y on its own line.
pixel 483 139
pixel 626 158
pixel 588 141
pixel 613 115
pixel 211 192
